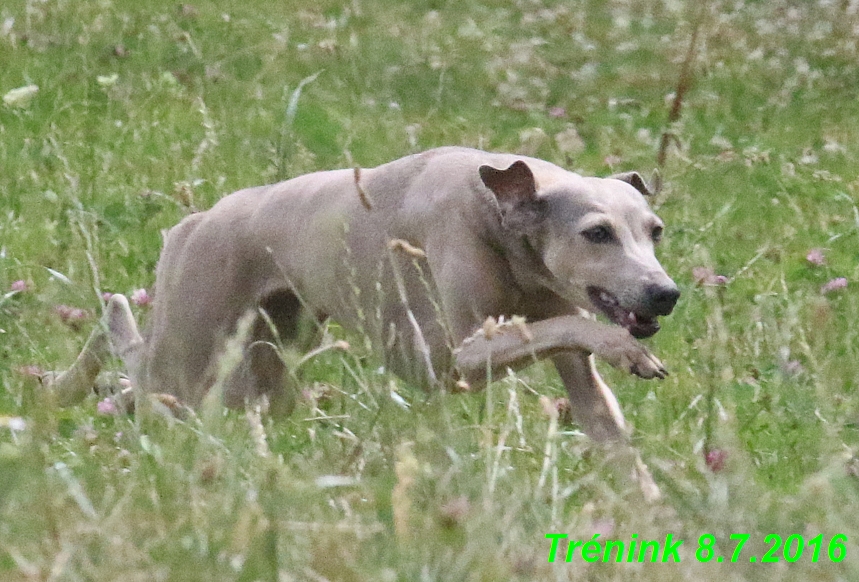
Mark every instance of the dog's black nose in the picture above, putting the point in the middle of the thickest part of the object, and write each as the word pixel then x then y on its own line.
pixel 661 299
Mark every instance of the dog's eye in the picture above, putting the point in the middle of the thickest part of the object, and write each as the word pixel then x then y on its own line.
pixel 656 234
pixel 599 234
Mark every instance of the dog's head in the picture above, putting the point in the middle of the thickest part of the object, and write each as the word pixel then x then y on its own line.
pixel 595 238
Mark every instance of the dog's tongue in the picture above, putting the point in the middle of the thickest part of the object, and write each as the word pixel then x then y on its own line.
pixel 641 327
pixel 638 325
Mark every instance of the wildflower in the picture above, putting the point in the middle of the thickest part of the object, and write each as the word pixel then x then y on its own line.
pixel 13 423
pixel 792 367
pixel 20 286
pixel 106 296
pixel 721 142
pixel 107 80
pixel 71 316
pixel 454 512
pixel 834 285
pixel 809 158
pixel 833 147
pixel 707 276
pixel 531 140
pixel 557 112
pixel 21 96
pixel 816 257
pixel 715 459
pixel 187 11
pixel 184 193
pixel 569 141
pixel 645 136
pixel 702 274
pixel 141 298
pixel 107 407
pixel 603 526
pixel 168 78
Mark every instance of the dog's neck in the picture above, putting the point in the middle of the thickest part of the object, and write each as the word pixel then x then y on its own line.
pixel 528 268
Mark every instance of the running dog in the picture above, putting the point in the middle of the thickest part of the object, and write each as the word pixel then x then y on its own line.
pixel 456 263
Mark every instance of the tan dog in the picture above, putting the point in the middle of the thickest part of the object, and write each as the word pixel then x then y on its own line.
pixel 416 254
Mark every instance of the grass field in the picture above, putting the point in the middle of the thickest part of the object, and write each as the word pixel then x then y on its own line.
pixel 148 110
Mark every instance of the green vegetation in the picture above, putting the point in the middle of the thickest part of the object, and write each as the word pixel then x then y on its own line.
pixel 148 109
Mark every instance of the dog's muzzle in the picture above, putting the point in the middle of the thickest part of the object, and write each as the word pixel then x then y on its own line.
pixel 640 320
pixel 661 299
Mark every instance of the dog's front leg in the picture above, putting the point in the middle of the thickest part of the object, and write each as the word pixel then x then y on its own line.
pixel 514 346
pixel 570 341
pixel 592 403
pixel 595 409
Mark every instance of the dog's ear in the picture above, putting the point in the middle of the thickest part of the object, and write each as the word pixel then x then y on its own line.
pixel 635 180
pixel 512 187
pixel 516 193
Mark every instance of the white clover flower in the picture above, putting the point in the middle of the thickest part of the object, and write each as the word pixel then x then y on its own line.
pixel 569 141
pixel 21 96
pixel 13 423
pixel 107 80
pixel 168 78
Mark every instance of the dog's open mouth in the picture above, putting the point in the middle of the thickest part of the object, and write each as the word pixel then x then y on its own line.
pixel 640 326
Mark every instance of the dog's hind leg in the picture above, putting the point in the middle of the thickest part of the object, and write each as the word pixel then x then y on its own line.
pixel 73 385
pixel 117 331
pixel 262 371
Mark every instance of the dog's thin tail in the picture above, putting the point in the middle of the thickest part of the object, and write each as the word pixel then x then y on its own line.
pixel 117 328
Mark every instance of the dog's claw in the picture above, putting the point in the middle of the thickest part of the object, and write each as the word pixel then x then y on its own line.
pixel 647 366
pixel 624 352
pixel 661 371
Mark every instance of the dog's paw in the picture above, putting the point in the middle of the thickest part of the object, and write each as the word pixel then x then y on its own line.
pixel 648 367
pixel 625 353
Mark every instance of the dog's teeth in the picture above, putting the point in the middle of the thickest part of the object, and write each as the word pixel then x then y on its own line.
pixel 605 297
pixel 632 319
